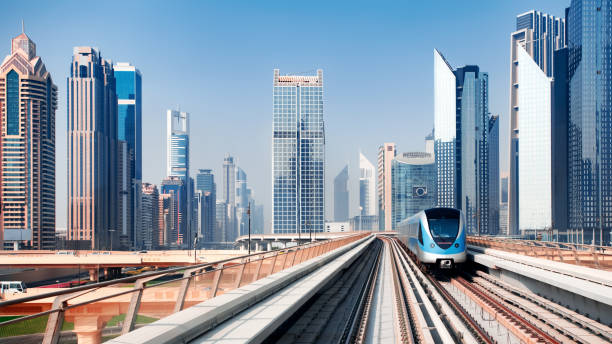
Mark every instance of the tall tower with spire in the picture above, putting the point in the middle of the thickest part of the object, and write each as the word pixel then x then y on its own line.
pixel 28 100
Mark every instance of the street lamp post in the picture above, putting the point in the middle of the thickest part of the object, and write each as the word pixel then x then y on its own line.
pixel 249 213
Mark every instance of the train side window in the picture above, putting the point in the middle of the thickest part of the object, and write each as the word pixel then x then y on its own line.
pixel 420 234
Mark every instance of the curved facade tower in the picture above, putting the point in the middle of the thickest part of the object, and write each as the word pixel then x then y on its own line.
pixel 28 100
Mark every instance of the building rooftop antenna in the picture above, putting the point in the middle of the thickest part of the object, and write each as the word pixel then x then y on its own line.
pixel 22 26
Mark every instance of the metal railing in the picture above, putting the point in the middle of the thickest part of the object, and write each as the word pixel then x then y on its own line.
pixel 599 257
pixel 101 311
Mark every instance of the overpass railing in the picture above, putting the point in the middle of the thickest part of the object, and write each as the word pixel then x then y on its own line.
pixel 599 257
pixel 101 311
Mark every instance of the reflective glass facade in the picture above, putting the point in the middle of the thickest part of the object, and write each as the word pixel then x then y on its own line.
pixel 461 122
pixel 298 153
pixel 414 185
pixel 535 189
pixel 367 186
pixel 205 184
pixel 445 134
pixel 590 119
pixel 129 111
pixel 177 148
pixel 540 34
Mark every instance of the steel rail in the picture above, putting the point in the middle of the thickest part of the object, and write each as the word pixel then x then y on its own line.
pixel 472 325
pixel 357 330
pixel 501 308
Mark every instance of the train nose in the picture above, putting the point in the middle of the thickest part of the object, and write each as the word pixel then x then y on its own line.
pixel 446 264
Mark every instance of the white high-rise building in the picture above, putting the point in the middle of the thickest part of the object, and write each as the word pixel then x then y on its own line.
pixel 367 186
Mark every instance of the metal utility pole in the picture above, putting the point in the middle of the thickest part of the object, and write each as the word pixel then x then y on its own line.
pixel 249 213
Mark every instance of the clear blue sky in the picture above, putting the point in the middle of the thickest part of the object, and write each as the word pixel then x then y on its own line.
pixel 215 59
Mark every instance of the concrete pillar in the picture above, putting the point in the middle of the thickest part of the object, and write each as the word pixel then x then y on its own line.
pixel 88 328
pixel 93 274
pixel 256 245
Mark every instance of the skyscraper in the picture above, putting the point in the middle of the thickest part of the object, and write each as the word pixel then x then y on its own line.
pixel 413 186
pixel 229 198
pixel 129 129
pixel 461 119
pixel 149 216
pixel 445 132
pixel 177 225
pixel 221 217
pixel 28 100
pixel 539 35
pixel 590 118
pixel 177 144
pixel 298 154
pixel 243 197
pixel 386 154
pixel 93 183
pixel 367 187
pixel 493 165
pixel 341 196
pixel 534 145
pixel 205 183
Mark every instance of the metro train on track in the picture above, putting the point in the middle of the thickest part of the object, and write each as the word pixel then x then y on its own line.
pixel 435 237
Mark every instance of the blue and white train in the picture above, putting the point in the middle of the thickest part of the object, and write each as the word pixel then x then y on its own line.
pixel 435 237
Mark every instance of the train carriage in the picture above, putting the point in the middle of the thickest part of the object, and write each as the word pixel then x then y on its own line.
pixel 435 237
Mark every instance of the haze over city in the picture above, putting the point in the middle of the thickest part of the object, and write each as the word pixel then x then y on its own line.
pixel 215 61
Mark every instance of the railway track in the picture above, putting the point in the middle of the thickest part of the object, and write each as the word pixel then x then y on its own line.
pixel 337 313
pixel 567 325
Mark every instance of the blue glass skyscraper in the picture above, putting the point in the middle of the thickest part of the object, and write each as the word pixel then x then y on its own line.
pixel 129 129
pixel 207 190
pixel 129 111
pixel 298 154
pixel 589 24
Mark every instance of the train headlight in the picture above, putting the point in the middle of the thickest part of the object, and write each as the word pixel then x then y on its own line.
pixel 432 245
pixel 456 245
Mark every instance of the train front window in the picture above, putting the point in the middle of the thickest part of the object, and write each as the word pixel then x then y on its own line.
pixel 444 231
pixel 443 226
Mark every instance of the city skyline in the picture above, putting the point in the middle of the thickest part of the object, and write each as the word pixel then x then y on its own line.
pixel 210 116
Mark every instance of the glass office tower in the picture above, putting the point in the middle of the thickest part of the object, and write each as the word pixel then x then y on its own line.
pixel 589 25
pixel 367 187
pixel 539 34
pixel 414 185
pixel 205 184
pixel 129 129
pixel 534 177
pixel 177 144
pixel 445 133
pixel 93 172
pixel 461 120
pixel 298 154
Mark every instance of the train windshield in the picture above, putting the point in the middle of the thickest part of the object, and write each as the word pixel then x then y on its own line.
pixel 443 226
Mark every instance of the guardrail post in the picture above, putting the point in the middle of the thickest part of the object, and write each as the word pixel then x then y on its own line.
pixel 130 316
pixel 216 281
pixel 284 261
pixel 294 255
pixel 55 322
pixel 256 276
pixel 239 280
pixel 273 263
pixel 180 300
